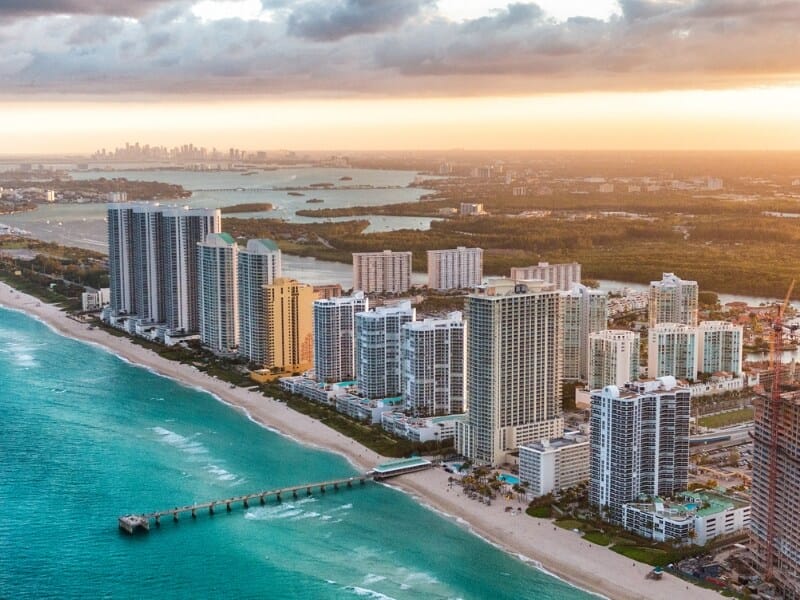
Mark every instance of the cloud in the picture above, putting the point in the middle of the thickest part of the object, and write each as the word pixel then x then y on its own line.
pixel 346 48
pixel 336 19
pixel 25 8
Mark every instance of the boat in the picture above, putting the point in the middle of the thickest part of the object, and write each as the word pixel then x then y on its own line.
pixel 314 201
pixel 345 178
pixel 296 194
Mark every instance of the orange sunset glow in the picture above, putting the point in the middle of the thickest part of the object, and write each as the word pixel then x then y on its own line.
pixel 634 74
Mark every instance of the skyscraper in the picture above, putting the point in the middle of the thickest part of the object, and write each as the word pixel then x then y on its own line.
pixel 259 265
pixel 382 272
pixel 290 327
pixel 183 229
pixel 218 293
pixel 378 349
pixel 120 258
pixel 335 337
pixel 433 366
pixel 563 276
pixel 672 350
pixel 455 269
pixel 639 443
pixel 719 347
pixel 514 369
pixel 148 258
pixel 673 300
pixel 613 358
pixel 585 311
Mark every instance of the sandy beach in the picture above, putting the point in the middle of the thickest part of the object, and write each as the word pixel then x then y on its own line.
pixel 560 552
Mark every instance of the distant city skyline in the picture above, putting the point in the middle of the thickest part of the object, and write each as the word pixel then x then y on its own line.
pixel 408 74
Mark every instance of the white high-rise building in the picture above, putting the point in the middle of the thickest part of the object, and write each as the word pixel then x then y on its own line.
pixel 719 347
pixel 183 229
pixel 218 293
pixel 514 369
pixel 335 337
pixel 378 350
pixel 455 269
pixel 382 272
pixel 120 258
pixel 433 366
pixel 563 276
pixel 639 443
pixel 148 258
pixel 613 358
pixel 672 350
pixel 260 264
pixel 585 311
pixel 673 300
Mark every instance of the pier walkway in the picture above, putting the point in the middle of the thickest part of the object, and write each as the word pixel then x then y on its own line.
pixel 132 523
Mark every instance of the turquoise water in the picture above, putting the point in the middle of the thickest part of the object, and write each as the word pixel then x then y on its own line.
pixel 508 479
pixel 87 437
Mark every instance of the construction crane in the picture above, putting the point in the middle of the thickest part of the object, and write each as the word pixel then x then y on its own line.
pixel 775 410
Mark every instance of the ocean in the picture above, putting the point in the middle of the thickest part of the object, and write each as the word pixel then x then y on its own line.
pixel 86 437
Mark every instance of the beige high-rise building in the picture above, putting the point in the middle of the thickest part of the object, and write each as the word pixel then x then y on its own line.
pixel 563 276
pixel 382 272
pixel 513 369
pixel 613 358
pixel 289 324
pixel 455 269
pixel 673 300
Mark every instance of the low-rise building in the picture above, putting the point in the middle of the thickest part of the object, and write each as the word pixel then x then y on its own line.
pixel 553 465
pixel 698 517
pixel 366 409
pixel 420 429
pixel 95 300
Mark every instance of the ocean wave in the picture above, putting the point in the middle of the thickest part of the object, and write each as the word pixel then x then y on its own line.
pixel 179 441
pixel 367 593
pixel 222 474
pixel 305 515
pixel 371 578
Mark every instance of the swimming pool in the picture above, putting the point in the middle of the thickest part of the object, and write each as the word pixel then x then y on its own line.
pixel 510 479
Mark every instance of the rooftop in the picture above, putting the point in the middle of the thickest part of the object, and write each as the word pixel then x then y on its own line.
pixel 404 463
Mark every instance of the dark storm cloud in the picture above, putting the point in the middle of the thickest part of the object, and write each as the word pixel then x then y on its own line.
pixel 351 48
pixel 25 8
pixel 331 20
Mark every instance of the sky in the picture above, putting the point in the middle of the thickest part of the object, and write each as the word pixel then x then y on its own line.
pixel 77 75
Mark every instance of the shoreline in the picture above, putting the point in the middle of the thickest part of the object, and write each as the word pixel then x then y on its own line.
pixel 552 550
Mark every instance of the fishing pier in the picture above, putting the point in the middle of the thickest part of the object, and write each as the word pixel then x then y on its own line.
pixel 142 522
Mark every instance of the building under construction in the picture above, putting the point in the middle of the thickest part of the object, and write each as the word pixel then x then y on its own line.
pixel 775 492
pixel 775 513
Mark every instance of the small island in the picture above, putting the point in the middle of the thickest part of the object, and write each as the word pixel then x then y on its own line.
pixel 247 207
pixel 296 194
pixel 346 178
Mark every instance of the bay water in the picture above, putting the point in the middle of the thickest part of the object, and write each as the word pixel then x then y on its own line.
pixel 86 437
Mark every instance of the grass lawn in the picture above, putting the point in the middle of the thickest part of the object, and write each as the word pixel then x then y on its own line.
pixel 570 524
pixel 541 512
pixel 597 537
pixel 727 418
pixel 650 556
